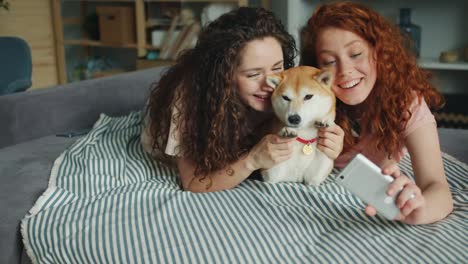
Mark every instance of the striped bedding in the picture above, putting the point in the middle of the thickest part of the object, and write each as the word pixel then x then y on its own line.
pixel 109 202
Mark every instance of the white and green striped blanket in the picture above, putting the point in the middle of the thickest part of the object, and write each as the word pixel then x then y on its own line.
pixel 109 202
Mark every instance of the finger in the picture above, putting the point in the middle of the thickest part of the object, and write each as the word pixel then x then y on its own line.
pixel 334 129
pixel 325 145
pixel 273 158
pixel 412 205
pixel 281 156
pixel 284 146
pixel 370 210
pixel 275 139
pixel 411 191
pixel 397 185
pixel 277 147
pixel 281 146
pixel 278 159
pixel 329 136
pixel 400 217
pixel 328 151
pixel 392 170
pixel 282 153
pixel 337 130
pixel 334 146
pixel 326 142
pixel 330 143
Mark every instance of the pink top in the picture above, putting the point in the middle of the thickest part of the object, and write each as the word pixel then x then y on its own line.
pixel 421 115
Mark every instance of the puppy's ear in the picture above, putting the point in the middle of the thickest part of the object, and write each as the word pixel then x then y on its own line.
pixel 325 78
pixel 273 80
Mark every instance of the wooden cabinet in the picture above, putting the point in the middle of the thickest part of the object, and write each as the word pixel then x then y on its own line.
pixel 73 43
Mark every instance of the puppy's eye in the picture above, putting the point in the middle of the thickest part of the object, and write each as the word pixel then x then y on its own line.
pixel 286 98
pixel 308 97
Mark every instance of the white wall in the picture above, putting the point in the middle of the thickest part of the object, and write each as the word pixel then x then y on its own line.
pixel 444 26
pixel 294 14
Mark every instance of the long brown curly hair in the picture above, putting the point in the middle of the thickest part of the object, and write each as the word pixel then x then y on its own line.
pixel 399 78
pixel 212 120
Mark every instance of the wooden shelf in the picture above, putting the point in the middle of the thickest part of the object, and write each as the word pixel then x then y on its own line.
pixel 159 22
pixel 141 43
pixel 435 64
pixel 95 43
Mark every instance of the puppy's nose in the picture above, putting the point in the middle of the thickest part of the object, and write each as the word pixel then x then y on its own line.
pixel 294 119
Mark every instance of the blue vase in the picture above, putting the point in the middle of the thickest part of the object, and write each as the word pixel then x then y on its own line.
pixel 411 30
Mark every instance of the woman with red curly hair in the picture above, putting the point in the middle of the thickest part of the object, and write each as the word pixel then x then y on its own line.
pixel 209 114
pixel 384 102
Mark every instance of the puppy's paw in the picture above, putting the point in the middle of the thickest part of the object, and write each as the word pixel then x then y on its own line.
pixel 326 123
pixel 319 124
pixel 288 132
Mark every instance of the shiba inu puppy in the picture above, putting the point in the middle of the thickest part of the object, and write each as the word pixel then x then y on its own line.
pixel 302 101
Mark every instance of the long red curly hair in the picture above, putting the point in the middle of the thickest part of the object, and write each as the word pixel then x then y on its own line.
pixel 399 78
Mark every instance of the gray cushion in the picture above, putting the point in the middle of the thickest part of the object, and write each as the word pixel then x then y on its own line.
pixel 454 142
pixel 24 170
pixel 76 106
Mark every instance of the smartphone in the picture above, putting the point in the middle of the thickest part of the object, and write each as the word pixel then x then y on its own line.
pixel 365 180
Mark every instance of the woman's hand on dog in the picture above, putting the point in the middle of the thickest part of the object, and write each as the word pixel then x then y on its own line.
pixel 410 200
pixel 331 141
pixel 271 150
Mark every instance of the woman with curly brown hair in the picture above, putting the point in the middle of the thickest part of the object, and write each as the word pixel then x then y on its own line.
pixel 210 112
pixel 383 105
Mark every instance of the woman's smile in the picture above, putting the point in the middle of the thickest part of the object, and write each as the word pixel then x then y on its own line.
pixel 350 84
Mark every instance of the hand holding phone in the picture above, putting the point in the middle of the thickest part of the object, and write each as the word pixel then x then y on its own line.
pixel 365 180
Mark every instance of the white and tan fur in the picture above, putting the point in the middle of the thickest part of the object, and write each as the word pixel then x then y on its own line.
pixel 305 93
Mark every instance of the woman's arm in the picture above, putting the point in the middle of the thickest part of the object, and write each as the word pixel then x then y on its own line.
pixel 219 180
pixel 428 199
pixel 423 146
pixel 270 151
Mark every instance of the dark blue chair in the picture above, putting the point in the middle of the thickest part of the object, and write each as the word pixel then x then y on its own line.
pixel 15 65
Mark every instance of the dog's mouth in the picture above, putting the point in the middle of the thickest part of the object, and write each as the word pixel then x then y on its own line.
pixel 350 84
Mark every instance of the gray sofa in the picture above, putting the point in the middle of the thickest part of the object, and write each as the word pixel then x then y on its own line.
pixel 30 122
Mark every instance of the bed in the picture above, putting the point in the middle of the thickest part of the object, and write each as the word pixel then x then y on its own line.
pixel 108 202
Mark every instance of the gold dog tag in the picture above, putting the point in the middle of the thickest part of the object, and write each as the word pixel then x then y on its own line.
pixel 307 149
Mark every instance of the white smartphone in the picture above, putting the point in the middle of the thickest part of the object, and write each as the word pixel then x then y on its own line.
pixel 365 180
